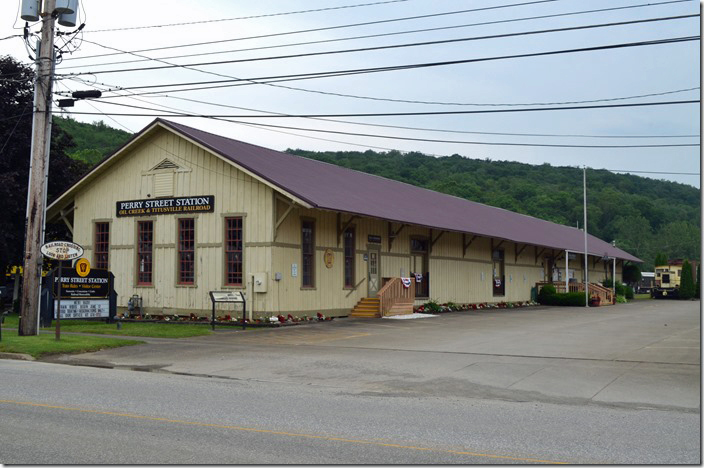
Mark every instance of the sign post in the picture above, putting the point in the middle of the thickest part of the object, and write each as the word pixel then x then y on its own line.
pixel 61 250
pixel 225 297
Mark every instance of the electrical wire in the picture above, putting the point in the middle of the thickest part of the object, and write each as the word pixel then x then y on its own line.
pixel 466 132
pixel 234 82
pixel 227 117
pixel 269 15
pixel 197 44
pixel 367 124
pixel 649 172
pixel 387 47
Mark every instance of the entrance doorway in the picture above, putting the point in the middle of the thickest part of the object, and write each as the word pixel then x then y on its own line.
pixel 373 269
pixel 420 267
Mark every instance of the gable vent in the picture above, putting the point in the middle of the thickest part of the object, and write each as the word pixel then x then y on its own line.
pixel 165 164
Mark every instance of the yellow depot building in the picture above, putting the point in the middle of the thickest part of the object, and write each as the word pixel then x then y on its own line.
pixel 178 212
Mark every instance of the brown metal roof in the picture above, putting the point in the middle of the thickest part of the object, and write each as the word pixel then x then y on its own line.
pixel 330 187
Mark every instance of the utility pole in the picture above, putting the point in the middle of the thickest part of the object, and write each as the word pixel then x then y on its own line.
pixel 38 170
pixel 586 252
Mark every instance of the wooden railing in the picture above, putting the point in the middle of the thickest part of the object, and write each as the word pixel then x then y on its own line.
pixel 394 296
pixel 605 295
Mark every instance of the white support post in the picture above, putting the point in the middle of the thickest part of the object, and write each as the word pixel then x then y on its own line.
pixel 567 271
pixel 613 279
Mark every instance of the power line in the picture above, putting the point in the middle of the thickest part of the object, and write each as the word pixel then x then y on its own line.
pixel 405 127
pixel 337 73
pixel 650 172
pixel 269 15
pixel 397 114
pixel 367 124
pixel 395 46
pixel 430 140
pixel 197 44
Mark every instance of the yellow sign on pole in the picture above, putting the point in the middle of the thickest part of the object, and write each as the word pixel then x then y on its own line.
pixel 83 267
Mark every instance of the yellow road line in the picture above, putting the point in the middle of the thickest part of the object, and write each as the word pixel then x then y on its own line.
pixel 272 432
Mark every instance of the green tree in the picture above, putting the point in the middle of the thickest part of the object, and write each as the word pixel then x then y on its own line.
pixel 660 259
pixel 631 274
pixel 633 234
pixel 16 96
pixel 687 281
pixel 680 239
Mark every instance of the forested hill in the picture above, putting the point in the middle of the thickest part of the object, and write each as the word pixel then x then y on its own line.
pixel 644 216
pixel 92 141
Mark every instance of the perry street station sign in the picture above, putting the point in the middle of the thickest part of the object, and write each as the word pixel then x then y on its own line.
pixel 159 206
pixel 83 296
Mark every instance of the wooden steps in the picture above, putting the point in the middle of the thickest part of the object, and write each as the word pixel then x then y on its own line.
pixel 368 307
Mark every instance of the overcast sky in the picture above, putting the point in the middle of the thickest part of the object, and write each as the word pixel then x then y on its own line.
pixel 666 72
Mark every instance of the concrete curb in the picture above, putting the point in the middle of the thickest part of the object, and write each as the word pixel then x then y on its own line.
pixel 17 356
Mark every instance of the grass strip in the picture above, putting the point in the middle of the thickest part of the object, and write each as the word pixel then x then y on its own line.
pixel 44 344
pixel 153 330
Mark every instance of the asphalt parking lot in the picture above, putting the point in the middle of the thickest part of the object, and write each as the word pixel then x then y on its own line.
pixel 645 354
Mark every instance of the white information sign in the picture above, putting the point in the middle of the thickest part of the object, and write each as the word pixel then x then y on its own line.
pixel 83 308
pixel 294 269
pixel 226 296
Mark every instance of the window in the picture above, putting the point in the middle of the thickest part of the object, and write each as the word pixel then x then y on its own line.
pixel 145 238
pixel 349 258
pixel 102 245
pixel 499 286
pixel 308 253
pixel 233 251
pixel 186 250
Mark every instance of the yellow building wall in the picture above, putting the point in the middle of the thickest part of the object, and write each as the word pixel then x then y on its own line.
pixel 201 173
pixel 455 274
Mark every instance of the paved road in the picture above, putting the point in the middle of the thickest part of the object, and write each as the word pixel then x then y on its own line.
pixel 608 385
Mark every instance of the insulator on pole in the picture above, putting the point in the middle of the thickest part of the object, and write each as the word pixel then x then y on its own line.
pixel 30 10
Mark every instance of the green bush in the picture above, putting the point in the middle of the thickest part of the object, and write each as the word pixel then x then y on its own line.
pixel 629 292
pixel 546 292
pixel 548 296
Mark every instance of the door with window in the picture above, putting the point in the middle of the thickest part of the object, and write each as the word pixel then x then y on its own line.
pixel 373 270
pixel 420 270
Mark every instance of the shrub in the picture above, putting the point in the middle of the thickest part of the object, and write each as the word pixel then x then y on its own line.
pixel 687 282
pixel 432 307
pixel 572 299
pixel 546 292
pixel 629 292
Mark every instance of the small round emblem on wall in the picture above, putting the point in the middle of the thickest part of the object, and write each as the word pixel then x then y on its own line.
pixel 329 258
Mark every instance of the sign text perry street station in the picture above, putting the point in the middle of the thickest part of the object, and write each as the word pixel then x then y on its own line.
pixel 204 203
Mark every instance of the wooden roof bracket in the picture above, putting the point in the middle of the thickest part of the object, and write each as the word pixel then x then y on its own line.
pixel 595 261
pixel 518 252
pixel 433 241
pixel 63 217
pixel 282 218
pixel 465 244
pixel 494 247
pixel 393 235
pixel 538 254
pixel 340 228
pixel 557 255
